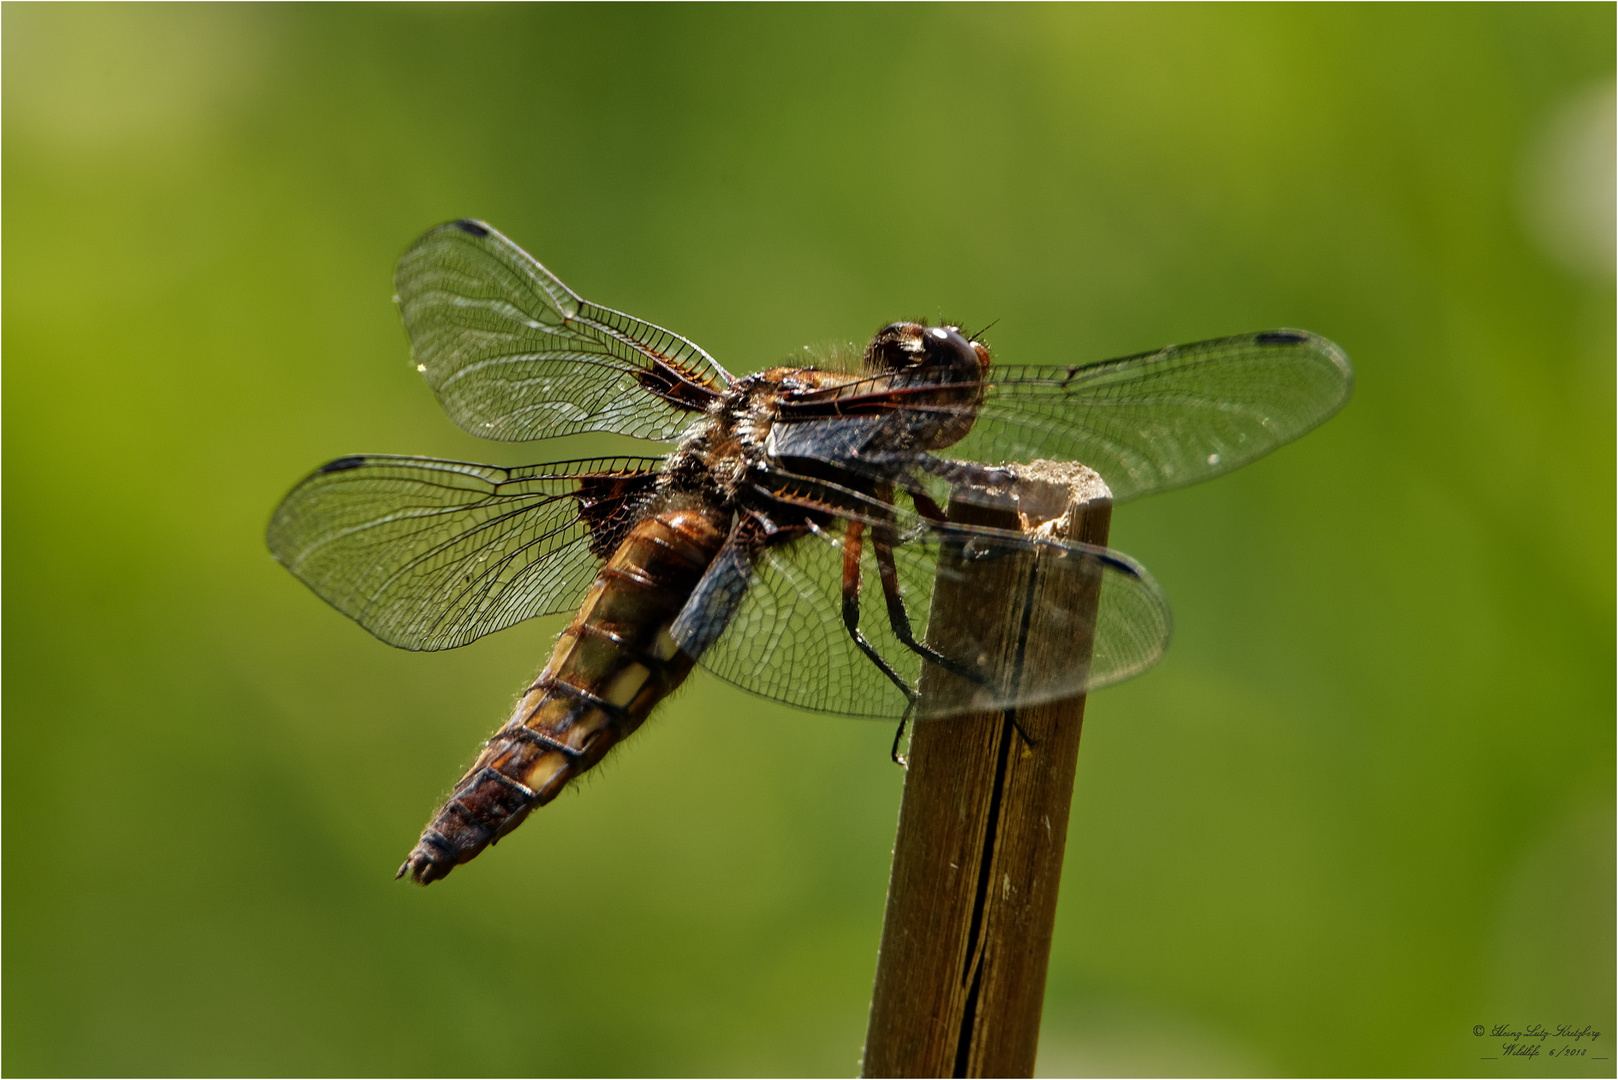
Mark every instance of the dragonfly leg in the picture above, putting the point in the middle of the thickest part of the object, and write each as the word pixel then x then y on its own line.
pixel 900 620
pixel 926 507
pixel 853 542
pixel 898 737
pixel 899 617
pixel 987 477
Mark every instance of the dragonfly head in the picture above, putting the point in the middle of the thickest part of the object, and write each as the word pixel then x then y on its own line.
pixel 937 379
pixel 937 353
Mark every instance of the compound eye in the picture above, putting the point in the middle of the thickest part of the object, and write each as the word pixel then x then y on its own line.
pixel 947 348
pixel 896 347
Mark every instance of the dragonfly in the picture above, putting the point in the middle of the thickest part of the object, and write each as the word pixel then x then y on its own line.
pixel 790 499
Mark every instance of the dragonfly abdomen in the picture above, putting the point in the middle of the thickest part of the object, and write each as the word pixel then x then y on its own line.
pixel 612 664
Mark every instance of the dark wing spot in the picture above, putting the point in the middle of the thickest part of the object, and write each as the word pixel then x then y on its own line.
pixel 609 505
pixel 352 461
pixel 1281 337
pixel 676 386
pixel 475 228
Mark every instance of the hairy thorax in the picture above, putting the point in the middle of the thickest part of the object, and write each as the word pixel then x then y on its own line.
pixel 718 450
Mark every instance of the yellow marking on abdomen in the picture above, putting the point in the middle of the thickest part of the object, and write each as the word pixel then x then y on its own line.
pixel 545 770
pixel 626 684
pixel 664 648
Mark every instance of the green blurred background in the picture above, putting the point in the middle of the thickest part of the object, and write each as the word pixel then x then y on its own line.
pixel 1365 804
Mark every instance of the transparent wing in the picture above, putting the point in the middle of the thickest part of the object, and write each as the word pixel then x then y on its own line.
pixel 514 354
pixel 787 641
pixel 430 554
pixel 1168 418
pixel 1146 423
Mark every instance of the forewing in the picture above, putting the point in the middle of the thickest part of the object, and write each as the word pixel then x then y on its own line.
pixel 1163 419
pixel 1146 423
pixel 1081 587
pixel 514 354
pixel 787 641
pixel 429 554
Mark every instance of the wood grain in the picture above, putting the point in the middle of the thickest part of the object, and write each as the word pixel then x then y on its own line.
pixel 978 859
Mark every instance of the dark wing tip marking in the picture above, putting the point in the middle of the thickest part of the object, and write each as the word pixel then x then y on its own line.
pixel 468 225
pixel 1124 565
pixel 352 461
pixel 1282 337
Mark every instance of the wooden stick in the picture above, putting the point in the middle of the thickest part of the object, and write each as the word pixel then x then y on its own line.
pixel 966 940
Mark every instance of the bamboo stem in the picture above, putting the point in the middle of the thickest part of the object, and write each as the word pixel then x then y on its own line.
pixel 977 863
